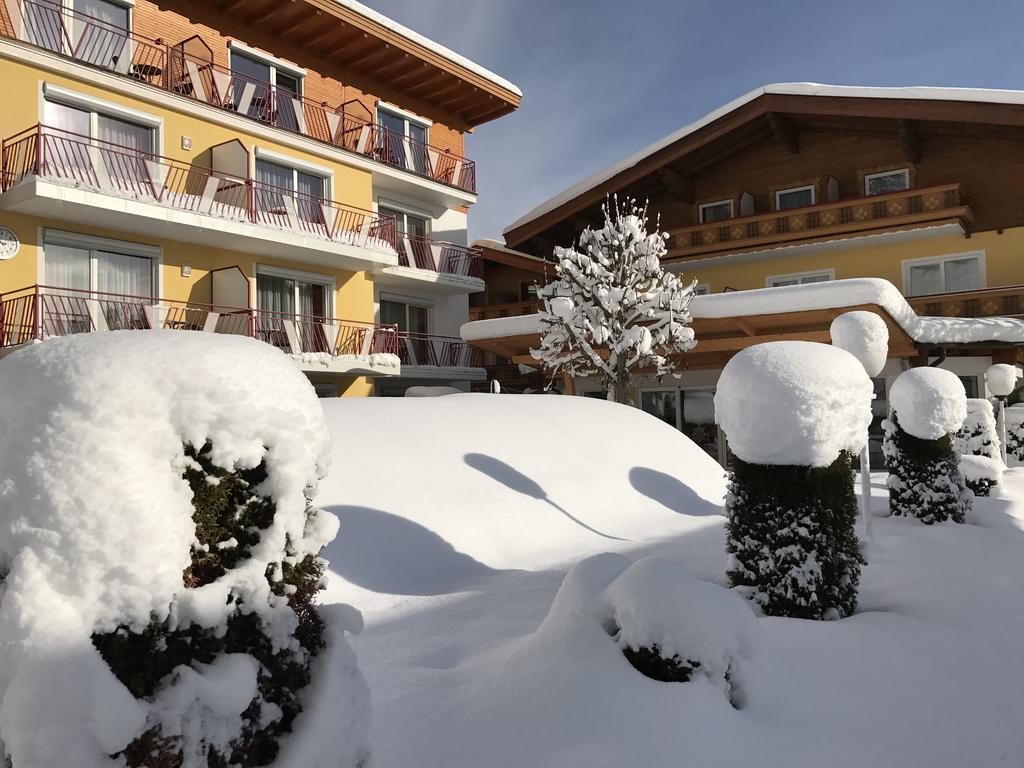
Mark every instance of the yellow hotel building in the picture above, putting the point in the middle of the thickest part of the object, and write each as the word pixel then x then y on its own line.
pixel 290 171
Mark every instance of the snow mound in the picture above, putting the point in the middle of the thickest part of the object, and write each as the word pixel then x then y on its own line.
pixel 865 336
pixel 929 402
pixel 793 403
pixel 1001 378
pixel 96 528
pixel 461 485
pixel 658 602
pixel 975 468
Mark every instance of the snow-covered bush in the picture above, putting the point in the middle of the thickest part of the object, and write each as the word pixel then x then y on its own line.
pixel 611 296
pixel 981 473
pixel 161 556
pixel 794 413
pixel 1014 435
pixel 978 435
pixel 865 336
pixel 927 406
pixel 672 627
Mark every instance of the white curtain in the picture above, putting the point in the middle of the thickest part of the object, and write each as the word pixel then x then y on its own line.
pixel 125 275
pixel 963 275
pixel 926 279
pixel 125 162
pixel 275 294
pixel 101 33
pixel 66 150
pixel 67 267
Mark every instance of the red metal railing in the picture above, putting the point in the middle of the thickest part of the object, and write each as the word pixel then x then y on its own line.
pixel 51 153
pixel 439 256
pixel 439 351
pixel 189 71
pixel 40 312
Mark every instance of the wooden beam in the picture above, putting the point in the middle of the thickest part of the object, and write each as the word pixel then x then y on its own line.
pixel 414 77
pixel 908 141
pixel 746 326
pixel 570 385
pixel 784 131
pixel 678 186
pixel 736 343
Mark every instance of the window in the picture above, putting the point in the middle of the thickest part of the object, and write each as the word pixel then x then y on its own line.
pixel 692 411
pixel 710 212
pixel 417 227
pixel 293 302
pixel 411 318
pixel 963 272
pixel 276 181
pixel 285 84
pixel 95 31
pixel 662 404
pixel 101 283
pixel 403 142
pixel 887 181
pixel 797 197
pixel 970 385
pixel 800 278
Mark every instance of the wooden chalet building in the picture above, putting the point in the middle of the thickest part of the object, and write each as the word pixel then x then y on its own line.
pixel 794 185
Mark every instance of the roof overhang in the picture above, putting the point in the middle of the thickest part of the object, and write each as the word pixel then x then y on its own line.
pixel 768 107
pixel 362 48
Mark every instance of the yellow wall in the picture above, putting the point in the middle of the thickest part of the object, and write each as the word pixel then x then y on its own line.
pixel 1004 261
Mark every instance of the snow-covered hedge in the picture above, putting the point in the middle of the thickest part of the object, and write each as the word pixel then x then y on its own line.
pixel 981 473
pixel 978 436
pixel 161 555
pixel 793 413
pixel 673 627
pixel 928 405
pixel 1015 435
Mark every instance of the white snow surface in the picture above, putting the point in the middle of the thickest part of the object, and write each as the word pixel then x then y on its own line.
pixel 503 666
pixel 793 403
pixel 981 468
pixel 865 336
pixel 96 527
pixel 927 93
pixel 835 294
pixel 928 402
pixel 659 602
pixel 1001 378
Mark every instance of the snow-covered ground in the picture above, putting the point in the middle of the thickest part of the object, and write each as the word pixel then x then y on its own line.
pixel 461 516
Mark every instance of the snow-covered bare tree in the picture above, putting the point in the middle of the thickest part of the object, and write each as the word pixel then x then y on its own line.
pixel 612 310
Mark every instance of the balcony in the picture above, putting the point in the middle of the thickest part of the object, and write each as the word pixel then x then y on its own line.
pixel 910 209
pixel 1007 301
pixel 54 173
pixel 439 357
pixel 515 309
pixel 316 344
pixel 436 265
pixel 187 69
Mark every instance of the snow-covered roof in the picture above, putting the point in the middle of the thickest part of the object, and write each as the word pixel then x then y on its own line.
pixel 496 245
pixel 835 294
pixel 440 50
pixel 929 93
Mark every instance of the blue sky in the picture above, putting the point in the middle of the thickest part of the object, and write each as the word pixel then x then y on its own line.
pixel 604 78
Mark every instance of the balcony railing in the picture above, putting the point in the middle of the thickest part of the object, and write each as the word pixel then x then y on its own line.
pixel 187 69
pixel 515 309
pixel 41 312
pixel 439 256
pixel 863 214
pixel 72 159
pixel 437 351
pixel 1007 301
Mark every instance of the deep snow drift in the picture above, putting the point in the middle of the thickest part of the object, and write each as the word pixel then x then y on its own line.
pixel 434 494
pixel 491 666
pixel 97 530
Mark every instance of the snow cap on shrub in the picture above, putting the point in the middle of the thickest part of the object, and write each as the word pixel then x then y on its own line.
pixel 1001 379
pixel 794 403
pixel 929 402
pixel 865 336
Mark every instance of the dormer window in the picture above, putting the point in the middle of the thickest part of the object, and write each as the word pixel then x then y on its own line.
pixel 795 197
pixel 710 212
pixel 886 182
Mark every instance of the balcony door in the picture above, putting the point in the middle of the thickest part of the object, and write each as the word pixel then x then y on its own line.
pixel 306 190
pixel 100 34
pixel 411 155
pixel 94 288
pixel 43 24
pixel 287 302
pixel 417 227
pixel 414 322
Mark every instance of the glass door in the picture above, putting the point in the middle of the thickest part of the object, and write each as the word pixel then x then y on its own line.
pixel 418 144
pixel 251 84
pixel 285 90
pixel 126 147
pixel 313 315
pixel 390 139
pixel 100 34
pixel 66 138
pixel 44 25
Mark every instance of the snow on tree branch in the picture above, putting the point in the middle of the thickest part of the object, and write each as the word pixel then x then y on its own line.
pixel 612 310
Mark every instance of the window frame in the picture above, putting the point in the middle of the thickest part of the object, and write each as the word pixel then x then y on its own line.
pixel 778 192
pixel 295 165
pixel 704 206
pixel 407 118
pixel 299 276
pixel 798 276
pixel 905 172
pixel 236 48
pixel 907 264
pixel 92 243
